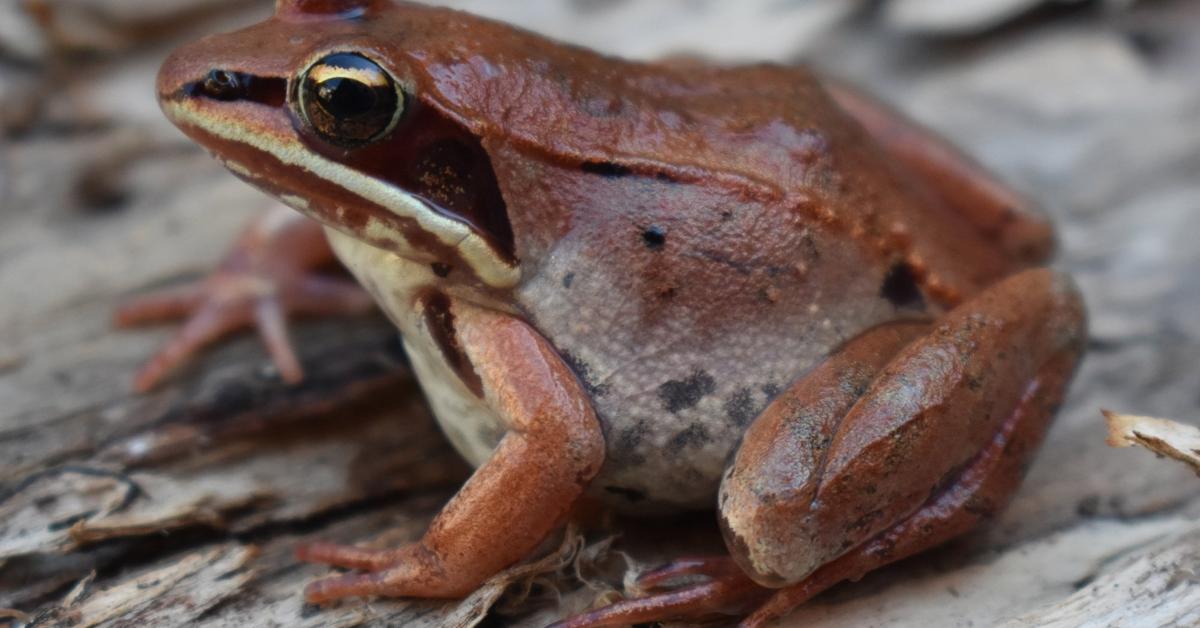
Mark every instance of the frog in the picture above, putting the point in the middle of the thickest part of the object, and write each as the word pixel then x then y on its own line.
pixel 663 287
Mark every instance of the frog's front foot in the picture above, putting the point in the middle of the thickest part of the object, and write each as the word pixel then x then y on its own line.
pixel 268 276
pixel 410 571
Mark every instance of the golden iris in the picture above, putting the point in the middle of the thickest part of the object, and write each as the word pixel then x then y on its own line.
pixel 349 100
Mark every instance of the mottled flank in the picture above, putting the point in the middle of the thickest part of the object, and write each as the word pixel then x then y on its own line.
pixel 678 395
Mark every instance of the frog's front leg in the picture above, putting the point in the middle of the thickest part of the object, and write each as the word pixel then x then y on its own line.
pixel 552 450
pixel 889 448
pixel 269 274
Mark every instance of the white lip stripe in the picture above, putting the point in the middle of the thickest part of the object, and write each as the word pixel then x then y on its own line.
pixel 475 251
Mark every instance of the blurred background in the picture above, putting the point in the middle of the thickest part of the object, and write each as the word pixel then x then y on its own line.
pixel 175 508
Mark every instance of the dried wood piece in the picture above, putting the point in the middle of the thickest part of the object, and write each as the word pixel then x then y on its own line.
pixel 173 595
pixel 284 475
pixel 1162 436
pixel 472 610
pixel 954 587
pixel 1159 587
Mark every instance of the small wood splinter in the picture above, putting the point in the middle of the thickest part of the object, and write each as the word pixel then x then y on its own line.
pixel 1162 436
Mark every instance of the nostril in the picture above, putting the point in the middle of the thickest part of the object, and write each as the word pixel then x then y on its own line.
pixel 222 85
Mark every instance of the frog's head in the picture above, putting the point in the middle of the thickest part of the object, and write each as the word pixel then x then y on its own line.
pixel 330 107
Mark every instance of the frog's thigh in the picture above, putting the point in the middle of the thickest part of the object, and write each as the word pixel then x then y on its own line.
pixel 977 491
pixel 553 448
pixel 997 210
pixel 861 449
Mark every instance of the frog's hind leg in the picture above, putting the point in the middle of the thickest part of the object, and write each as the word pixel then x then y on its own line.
pixel 996 210
pixel 937 443
pixel 977 492
pixel 905 438
pixel 269 274
pixel 552 450
pixel 837 383
pixel 725 590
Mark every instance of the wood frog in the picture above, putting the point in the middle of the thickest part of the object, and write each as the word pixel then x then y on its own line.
pixel 667 287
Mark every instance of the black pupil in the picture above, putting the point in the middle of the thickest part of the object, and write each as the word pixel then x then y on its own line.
pixel 346 98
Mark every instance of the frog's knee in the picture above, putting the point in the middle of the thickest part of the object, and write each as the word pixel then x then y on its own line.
pixel 765 533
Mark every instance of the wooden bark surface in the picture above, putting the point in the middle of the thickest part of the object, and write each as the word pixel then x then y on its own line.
pixel 182 507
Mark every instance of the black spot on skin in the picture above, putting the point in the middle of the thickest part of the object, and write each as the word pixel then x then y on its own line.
pixel 627 443
pixel 584 372
pixel 606 169
pixel 655 238
pixel 678 395
pixel 439 319
pixel 740 407
pixel 771 391
pixel 441 270
pixel 900 287
pixel 631 437
pixel 631 494
pixel 693 436
pixel 568 280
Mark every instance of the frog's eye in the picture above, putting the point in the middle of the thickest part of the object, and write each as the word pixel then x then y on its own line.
pixel 349 100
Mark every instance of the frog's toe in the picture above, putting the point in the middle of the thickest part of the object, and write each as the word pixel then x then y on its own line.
pixel 207 323
pixel 231 300
pixel 165 305
pixel 347 556
pixel 724 591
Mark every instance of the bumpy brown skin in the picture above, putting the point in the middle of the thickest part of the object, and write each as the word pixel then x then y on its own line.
pixel 703 253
